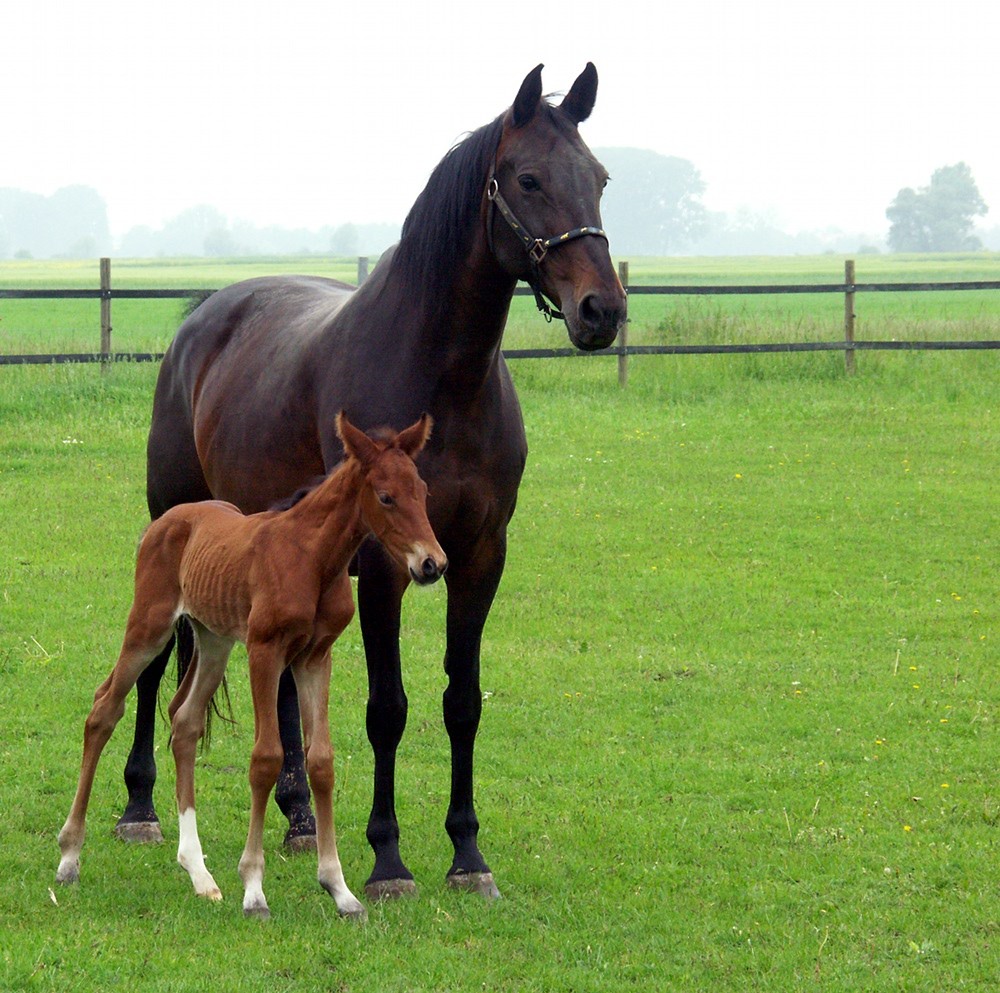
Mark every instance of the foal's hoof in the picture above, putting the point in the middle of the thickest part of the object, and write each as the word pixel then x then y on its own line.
pixel 139 832
pixel 259 913
pixel 475 882
pixel 355 913
pixel 390 889
pixel 68 873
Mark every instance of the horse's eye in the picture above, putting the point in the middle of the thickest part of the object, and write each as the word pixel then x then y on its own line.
pixel 528 183
pixel 385 499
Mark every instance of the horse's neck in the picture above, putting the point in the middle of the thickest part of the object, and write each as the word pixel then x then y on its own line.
pixel 446 321
pixel 328 520
pixel 470 324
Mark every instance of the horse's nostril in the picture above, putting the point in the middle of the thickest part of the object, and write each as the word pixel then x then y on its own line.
pixel 429 567
pixel 600 314
pixel 590 312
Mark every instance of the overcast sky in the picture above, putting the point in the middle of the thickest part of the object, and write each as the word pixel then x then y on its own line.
pixel 305 113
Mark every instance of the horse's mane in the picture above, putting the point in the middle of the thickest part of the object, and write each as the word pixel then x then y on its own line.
pixel 436 232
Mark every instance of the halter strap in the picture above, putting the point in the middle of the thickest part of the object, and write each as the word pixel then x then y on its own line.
pixel 537 248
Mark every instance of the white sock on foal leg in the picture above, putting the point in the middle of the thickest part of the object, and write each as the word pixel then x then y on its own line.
pixel 252 874
pixel 190 856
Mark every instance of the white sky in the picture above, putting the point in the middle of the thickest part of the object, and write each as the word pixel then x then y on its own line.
pixel 306 113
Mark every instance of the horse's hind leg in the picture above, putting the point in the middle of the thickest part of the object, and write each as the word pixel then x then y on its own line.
pixel 188 712
pixel 139 822
pixel 292 790
pixel 142 642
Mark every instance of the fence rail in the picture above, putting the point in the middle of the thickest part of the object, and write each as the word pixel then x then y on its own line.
pixel 106 294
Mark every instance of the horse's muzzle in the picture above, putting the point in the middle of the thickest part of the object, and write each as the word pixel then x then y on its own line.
pixel 599 317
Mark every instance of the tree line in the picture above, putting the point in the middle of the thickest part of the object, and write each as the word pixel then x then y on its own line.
pixel 652 207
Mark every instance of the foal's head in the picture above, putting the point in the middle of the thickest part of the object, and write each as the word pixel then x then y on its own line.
pixel 394 497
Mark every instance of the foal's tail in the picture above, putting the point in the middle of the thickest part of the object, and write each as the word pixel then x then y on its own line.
pixel 186 658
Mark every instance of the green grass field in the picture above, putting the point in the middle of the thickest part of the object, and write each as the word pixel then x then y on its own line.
pixel 741 699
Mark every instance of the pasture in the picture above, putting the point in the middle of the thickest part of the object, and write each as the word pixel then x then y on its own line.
pixel 740 681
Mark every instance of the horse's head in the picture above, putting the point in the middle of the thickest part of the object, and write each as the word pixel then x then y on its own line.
pixel 394 497
pixel 543 210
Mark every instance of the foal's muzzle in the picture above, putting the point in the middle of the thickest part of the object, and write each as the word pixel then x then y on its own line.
pixel 429 571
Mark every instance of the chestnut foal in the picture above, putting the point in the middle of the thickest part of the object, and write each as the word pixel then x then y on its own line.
pixel 277 581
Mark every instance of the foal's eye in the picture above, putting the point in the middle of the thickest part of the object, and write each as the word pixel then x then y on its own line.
pixel 528 183
pixel 385 499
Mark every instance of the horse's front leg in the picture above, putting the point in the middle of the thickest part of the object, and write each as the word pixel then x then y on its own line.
pixel 471 588
pixel 380 593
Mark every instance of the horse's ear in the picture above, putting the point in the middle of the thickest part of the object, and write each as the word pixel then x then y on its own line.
pixel 579 102
pixel 356 443
pixel 528 97
pixel 412 439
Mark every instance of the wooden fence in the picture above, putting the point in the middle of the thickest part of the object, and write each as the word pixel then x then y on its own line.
pixel 848 344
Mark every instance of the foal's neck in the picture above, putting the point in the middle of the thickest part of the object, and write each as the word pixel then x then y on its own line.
pixel 328 520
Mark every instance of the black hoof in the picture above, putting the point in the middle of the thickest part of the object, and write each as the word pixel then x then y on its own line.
pixel 297 843
pixel 139 832
pixel 475 882
pixel 390 889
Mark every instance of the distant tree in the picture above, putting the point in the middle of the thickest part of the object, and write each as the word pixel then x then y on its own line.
pixel 185 234
pixel 651 205
pixel 344 240
pixel 73 219
pixel 938 217
pixel 139 242
pixel 220 243
pixel 80 222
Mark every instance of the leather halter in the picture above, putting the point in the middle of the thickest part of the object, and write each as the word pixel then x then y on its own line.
pixel 537 248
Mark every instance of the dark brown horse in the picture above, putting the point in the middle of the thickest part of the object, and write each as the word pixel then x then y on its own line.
pixel 248 391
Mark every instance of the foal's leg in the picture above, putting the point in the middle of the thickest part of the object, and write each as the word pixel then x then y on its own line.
pixel 312 679
pixel 147 632
pixel 267 660
pixel 188 711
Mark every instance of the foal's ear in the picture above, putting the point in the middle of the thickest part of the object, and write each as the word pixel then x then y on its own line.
pixel 356 443
pixel 579 102
pixel 528 97
pixel 412 439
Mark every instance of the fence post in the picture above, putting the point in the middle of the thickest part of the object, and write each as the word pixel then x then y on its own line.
pixel 623 334
pixel 362 268
pixel 849 316
pixel 105 311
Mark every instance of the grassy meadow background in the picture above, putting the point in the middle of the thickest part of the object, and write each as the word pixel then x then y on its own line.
pixel 741 695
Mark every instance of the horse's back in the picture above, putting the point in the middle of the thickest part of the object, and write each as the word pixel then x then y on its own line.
pixel 233 396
